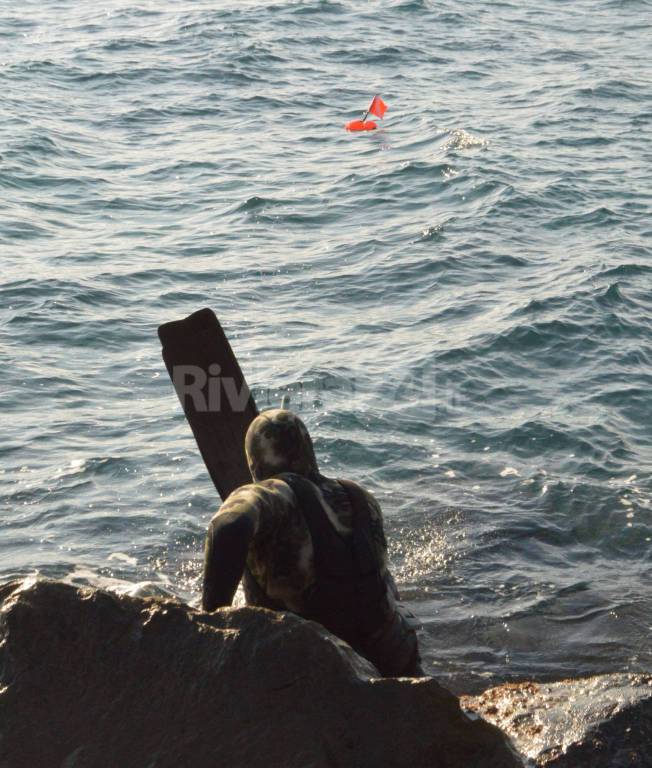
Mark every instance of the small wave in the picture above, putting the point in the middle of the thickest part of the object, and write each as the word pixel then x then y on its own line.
pixel 413 5
pixel 315 7
pixel 40 145
pixel 39 181
pixel 596 140
pixel 256 203
pixel 36 291
pixel 473 74
pixel 451 17
pixel 615 89
pixel 625 270
pixel 129 44
pixel 511 260
pixel 306 211
pixel 600 217
pixel 461 139
pixel 231 75
pixel 434 232
pixel 12 25
pixel 412 170
pixel 22 230
pixel 613 295
pixel 563 54
pixel 551 337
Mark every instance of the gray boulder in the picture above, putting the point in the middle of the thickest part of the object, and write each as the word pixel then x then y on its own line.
pixel 89 679
pixel 596 722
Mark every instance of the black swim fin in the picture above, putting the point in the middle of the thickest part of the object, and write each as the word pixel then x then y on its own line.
pixel 213 393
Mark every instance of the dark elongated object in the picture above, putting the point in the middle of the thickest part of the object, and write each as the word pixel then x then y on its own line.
pixel 213 393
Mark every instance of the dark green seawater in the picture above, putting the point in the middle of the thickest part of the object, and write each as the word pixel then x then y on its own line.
pixel 459 304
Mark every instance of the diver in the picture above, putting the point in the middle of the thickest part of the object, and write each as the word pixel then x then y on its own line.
pixel 309 544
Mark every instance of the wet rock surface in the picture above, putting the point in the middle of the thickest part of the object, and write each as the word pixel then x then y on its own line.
pixel 597 722
pixel 90 679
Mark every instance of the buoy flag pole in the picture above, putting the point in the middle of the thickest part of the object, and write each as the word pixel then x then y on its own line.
pixel 366 114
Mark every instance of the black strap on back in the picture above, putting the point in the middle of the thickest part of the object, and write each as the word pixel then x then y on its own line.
pixel 349 596
pixel 363 544
pixel 333 555
pixel 371 588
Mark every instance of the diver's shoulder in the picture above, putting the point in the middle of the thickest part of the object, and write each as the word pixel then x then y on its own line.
pixel 255 496
pixel 268 502
pixel 274 485
pixel 371 500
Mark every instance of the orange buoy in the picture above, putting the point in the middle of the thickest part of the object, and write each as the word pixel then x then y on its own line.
pixel 361 125
pixel 377 108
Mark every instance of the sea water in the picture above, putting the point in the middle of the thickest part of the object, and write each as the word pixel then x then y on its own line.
pixel 458 304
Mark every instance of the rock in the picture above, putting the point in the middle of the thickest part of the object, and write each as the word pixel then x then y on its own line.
pixel 89 679
pixel 597 722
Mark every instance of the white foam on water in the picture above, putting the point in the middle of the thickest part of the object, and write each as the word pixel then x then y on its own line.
pixel 122 557
pixel 82 576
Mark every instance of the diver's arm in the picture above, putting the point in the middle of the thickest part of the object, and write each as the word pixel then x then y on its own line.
pixel 230 534
pixel 225 555
pixel 227 543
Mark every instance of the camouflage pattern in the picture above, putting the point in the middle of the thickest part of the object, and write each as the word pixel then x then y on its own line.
pixel 280 557
pixel 277 441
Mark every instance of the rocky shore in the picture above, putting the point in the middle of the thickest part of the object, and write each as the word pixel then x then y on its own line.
pixel 596 722
pixel 90 679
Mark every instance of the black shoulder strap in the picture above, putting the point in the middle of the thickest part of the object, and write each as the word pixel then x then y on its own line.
pixel 331 551
pixel 366 557
pixel 357 498
pixel 349 596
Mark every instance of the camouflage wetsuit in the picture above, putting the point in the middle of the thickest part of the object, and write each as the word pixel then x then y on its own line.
pixel 261 532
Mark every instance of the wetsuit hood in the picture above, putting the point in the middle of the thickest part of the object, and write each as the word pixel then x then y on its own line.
pixel 277 441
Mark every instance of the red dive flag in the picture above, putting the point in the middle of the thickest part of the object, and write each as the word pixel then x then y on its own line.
pixel 378 107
